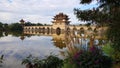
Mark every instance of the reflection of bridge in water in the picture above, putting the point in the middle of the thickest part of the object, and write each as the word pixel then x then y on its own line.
pixel 46 32
pixel 61 39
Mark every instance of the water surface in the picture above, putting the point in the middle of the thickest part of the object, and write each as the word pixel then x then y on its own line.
pixel 14 49
pixel 15 46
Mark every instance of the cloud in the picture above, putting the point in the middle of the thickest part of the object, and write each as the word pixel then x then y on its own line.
pixel 36 10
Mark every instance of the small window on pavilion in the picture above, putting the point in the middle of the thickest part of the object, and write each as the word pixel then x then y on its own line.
pixel 63 20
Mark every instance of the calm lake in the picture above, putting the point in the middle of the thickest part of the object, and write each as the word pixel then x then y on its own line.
pixel 16 47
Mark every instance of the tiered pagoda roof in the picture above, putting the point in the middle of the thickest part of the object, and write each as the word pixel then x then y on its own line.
pixel 61 18
pixel 22 21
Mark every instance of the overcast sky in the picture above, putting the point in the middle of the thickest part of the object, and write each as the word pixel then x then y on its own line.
pixel 41 11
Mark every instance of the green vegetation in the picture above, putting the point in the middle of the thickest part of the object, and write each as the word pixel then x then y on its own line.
pixel 1 26
pixel 106 14
pixel 15 27
pixel 68 65
pixel 11 27
pixel 32 24
pixel 49 62
pixel 1 60
pixel 108 50
pixel 92 57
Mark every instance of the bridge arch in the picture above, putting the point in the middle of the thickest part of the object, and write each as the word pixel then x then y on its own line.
pixel 43 29
pixel 95 30
pixel 82 30
pixel 89 29
pixel 74 28
pixel 58 31
pixel 48 30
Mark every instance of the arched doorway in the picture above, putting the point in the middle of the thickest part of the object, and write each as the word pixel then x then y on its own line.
pixel 89 29
pixel 58 31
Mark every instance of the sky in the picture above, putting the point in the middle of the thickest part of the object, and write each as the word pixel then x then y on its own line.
pixel 39 11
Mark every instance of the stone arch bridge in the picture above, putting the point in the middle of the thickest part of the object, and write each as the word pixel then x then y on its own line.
pixel 60 24
pixel 70 28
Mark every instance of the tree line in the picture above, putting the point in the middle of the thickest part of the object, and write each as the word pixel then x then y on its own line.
pixel 17 26
pixel 10 27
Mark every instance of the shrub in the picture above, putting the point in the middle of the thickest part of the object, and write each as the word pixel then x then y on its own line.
pixel 49 62
pixel 1 60
pixel 91 58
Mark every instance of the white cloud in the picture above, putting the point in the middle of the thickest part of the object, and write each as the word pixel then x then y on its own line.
pixel 36 10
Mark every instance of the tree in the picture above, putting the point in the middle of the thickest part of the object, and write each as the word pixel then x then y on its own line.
pixel 6 27
pixel 28 24
pixel 107 13
pixel 88 24
pixel 15 27
pixel 1 26
pixel 39 24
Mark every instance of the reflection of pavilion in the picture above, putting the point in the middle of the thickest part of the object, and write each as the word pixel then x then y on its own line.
pixel 59 41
